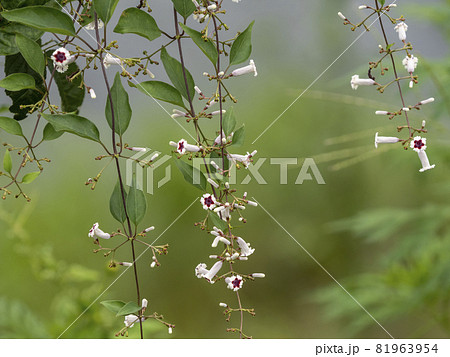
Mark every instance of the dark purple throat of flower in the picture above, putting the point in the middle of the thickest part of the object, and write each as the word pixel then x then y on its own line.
pixel 236 283
pixel 180 146
pixel 60 57
pixel 418 144
pixel 209 201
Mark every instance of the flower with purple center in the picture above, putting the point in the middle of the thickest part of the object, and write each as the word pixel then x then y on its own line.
pixel 234 282
pixel 419 144
pixel 61 59
pixel 182 146
pixel 97 232
pixel 208 201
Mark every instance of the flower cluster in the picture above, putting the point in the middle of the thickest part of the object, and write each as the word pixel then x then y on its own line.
pixel 410 62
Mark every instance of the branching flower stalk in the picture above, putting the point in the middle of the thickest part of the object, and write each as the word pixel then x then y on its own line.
pixel 388 51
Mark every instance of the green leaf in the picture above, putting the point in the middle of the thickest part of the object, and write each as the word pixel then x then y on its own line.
pixel 8 31
pixel 30 177
pixel 242 46
pixel 7 163
pixel 113 305
pixel 43 18
pixel 15 4
pixel 229 121
pixel 175 72
pixel 121 105
pixel 136 204
pixel 207 46
pixel 184 7
pixel 11 126
pixel 18 81
pixel 105 8
pixel 188 173
pixel 50 133
pixel 71 92
pixel 217 221
pixel 129 308
pixel 161 91
pixel 74 124
pixel 239 136
pixel 116 204
pixel 32 53
pixel 17 64
pixel 382 2
pixel 139 22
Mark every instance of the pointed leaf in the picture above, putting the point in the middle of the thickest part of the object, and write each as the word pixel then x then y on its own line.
pixel 105 8
pixel 16 64
pixel 116 204
pixel 207 46
pixel 43 18
pixel 382 2
pixel 50 133
pixel 238 137
pixel 7 163
pixel 136 204
pixel 74 124
pixel 18 81
pixel 184 7
pixel 113 305
pixel 188 174
pixel 229 121
pixel 129 308
pixel 161 91
pixel 30 177
pixel 32 53
pixel 242 46
pixel 11 126
pixel 174 70
pixel 217 221
pixel 121 105
pixel 139 22
pixel 8 33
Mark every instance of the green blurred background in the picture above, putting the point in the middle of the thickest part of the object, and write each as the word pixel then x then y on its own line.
pixel 378 226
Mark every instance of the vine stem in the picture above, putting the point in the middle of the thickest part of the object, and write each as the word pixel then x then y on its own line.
pixel 119 174
pixel 393 64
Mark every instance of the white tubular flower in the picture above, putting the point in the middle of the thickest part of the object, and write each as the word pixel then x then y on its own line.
pixel 244 159
pixel 385 140
pixel 202 16
pixel 144 303
pixel 154 156
pixel 212 7
pixel 149 73
pixel 126 264
pixel 212 182
pixel 426 101
pixel 224 213
pixel 182 146
pixel 237 1
pixel 411 84
pixel 146 230
pixel 425 162
pixel 381 112
pixel 153 264
pixel 130 320
pixel 91 26
pixel 419 144
pixel 110 59
pixel 341 15
pixel 200 270
pixel 199 91
pixel 217 112
pixel 251 68
pixel 258 275
pixel 222 304
pixel 356 82
pixel 251 203
pixel 61 59
pixel 196 3
pixel 246 250
pixel 224 240
pixel 178 113
pixel 170 330
pixel 135 148
pixel 410 63
pixel 213 271
pixel 234 282
pixel 215 242
pixel 362 7
pixel 96 231
pixel 392 5
pixel 92 93
pixel 217 141
pixel 208 201
pixel 401 28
